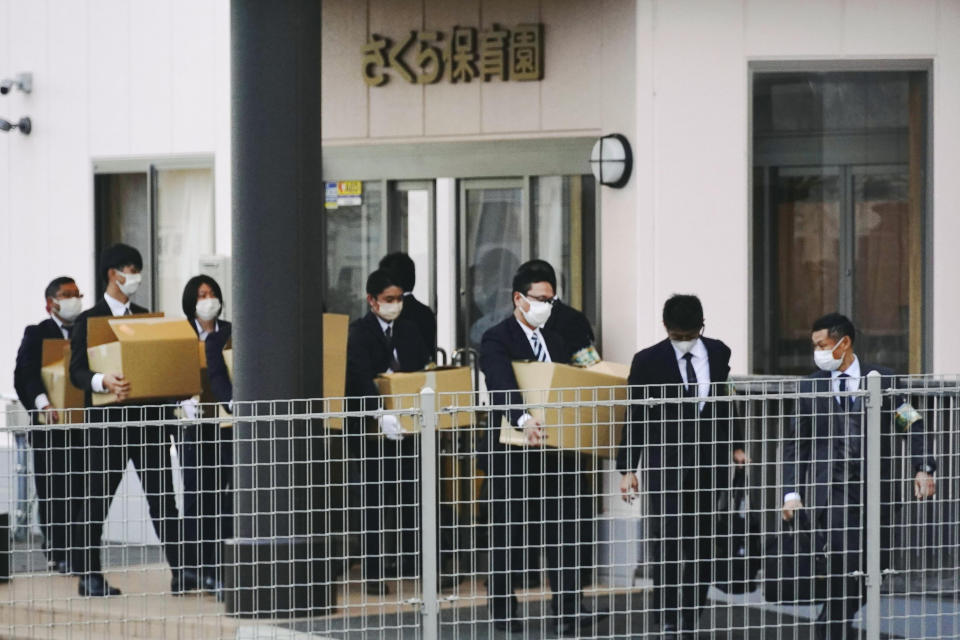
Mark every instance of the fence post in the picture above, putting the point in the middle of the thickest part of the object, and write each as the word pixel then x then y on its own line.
pixel 430 609
pixel 874 401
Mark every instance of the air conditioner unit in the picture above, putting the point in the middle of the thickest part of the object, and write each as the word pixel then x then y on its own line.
pixel 218 268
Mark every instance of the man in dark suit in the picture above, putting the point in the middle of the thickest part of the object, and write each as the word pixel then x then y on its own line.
pixel 51 453
pixel 686 448
pixel 405 273
pixel 100 454
pixel 207 446
pixel 823 458
pixel 384 465
pixel 529 485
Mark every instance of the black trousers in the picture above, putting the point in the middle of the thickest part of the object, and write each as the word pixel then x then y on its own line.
pixel 535 500
pixel 843 521
pixel 385 484
pixel 51 475
pixel 100 456
pixel 206 457
pixel 682 532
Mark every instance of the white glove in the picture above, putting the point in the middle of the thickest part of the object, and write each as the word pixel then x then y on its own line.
pixel 190 408
pixel 391 427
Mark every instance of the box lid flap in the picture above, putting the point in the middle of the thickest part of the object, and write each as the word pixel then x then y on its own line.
pixel 99 330
pixel 133 329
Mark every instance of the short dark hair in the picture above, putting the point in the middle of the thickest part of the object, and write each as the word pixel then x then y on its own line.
pixel 380 280
pixel 683 312
pixel 837 326
pixel 402 267
pixel 118 256
pixel 54 287
pixel 534 271
pixel 190 294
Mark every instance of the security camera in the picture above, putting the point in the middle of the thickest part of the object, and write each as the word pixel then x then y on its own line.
pixel 23 124
pixel 23 81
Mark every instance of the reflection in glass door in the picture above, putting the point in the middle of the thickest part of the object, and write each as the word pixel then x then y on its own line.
pixel 492 235
pixel 356 240
pixel 412 231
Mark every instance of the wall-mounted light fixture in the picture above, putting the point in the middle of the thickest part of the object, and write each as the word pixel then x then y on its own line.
pixel 23 81
pixel 611 160
pixel 23 124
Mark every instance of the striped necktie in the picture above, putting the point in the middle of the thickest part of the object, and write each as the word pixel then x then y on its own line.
pixel 538 350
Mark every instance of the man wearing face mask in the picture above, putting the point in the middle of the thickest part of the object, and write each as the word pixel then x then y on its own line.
pixel 405 271
pixel 100 454
pixel 823 466
pixel 384 465
pixel 50 445
pixel 528 482
pixel 686 449
pixel 572 325
pixel 207 451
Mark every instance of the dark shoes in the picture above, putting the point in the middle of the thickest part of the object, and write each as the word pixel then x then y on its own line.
pixel 183 581
pixel 63 567
pixel 94 585
pixel 579 622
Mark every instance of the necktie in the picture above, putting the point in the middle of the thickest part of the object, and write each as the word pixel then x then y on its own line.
pixel 843 400
pixel 127 312
pixel 68 331
pixel 538 351
pixel 394 363
pixel 691 389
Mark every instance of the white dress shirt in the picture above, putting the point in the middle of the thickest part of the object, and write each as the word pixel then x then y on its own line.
pixel 203 333
pixel 527 331
pixel 117 308
pixel 701 366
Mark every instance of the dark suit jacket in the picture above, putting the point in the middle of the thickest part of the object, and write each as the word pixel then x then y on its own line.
pixel 26 374
pixel 808 458
pixel 80 374
pixel 572 325
pixel 503 344
pixel 425 320
pixel 216 366
pixel 369 353
pixel 658 432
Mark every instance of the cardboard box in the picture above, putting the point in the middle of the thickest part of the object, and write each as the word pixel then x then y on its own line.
pixel 55 371
pixel 594 430
pixel 454 387
pixel 228 360
pixel 611 368
pixel 158 356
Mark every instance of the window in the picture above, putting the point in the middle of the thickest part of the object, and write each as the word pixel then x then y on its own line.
pixel 168 215
pixel 839 193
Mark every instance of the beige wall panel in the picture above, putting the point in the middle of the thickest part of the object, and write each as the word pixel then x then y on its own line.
pixel 702 230
pixel 571 88
pixel 151 83
pixel 108 106
pixel 193 89
pixel 452 109
pixel 396 108
pixel 509 107
pixel 946 195
pixel 344 105
pixel 870 25
pixel 778 28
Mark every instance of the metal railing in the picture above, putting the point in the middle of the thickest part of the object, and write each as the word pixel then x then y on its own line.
pixel 300 516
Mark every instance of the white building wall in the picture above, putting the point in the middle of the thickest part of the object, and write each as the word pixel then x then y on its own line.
pixel 692 122
pixel 112 79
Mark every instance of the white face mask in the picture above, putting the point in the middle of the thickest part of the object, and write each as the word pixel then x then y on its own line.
pixel 130 283
pixel 538 313
pixel 208 308
pixel 684 346
pixel 824 359
pixel 389 311
pixel 70 308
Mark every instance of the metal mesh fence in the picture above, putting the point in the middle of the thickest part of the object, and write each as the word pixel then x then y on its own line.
pixel 641 513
